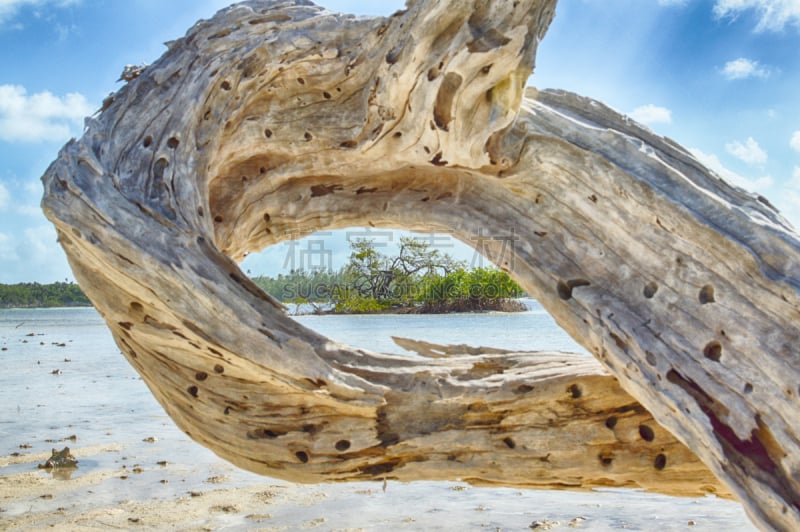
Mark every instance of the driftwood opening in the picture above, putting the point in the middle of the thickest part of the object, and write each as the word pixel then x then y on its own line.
pixel 278 118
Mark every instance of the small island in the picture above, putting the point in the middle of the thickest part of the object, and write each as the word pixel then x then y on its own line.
pixel 417 280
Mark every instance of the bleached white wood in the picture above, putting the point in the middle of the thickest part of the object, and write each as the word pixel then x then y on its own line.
pixel 275 119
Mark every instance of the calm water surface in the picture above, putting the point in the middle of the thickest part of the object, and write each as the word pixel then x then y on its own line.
pixel 532 330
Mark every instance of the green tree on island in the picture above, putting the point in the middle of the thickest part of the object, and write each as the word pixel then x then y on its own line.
pixel 417 279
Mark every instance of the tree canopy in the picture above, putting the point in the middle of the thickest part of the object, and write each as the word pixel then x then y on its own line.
pixel 35 295
pixel 418 278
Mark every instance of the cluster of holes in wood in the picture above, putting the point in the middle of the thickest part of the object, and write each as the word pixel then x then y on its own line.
pixel 712 350
pixel 172 142
pixel 303 456
pixel 565 288
pixel 646 433
pixel 201 376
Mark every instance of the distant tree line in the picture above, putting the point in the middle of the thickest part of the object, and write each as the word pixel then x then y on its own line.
pixel 35 295
pixel 417 279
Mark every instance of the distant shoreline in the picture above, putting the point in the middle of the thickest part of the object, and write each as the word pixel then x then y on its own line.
pixel 451 307
pixel 45 307
pixel 456 307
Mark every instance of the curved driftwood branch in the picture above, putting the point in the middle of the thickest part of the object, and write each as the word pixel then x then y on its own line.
pixel 276 119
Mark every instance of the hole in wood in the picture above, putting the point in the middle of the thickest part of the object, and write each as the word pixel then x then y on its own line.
pixel 565 288
pixel 646 433
pixel 707 294
pixel 575 391
pixel 302 456
pixel 219 369
pixel 510 443
pixel 201 375
pixel 713 351
pixel 342 445
pixel 611 422
pixel 438 161
pixel 443 108
pixel 523 388
pixel 650 290
pixel 606 459
pixel 193 391
pixel 159 167
pixel 660 462
pixel 393 56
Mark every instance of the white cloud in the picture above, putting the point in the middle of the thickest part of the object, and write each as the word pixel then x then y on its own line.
pixel 29 210
pixel 795 142
pixel 744 68
pixel 34 187
pixel 5 197
pixel 32 254
pixel 774 15
pixel 749 152
pixel 9 8
pixel 41 116
pixel 788 198
pixel 652 114
pixel 7 251
pixel 712 162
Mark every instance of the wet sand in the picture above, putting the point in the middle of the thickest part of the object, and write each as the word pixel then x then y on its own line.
pixel 134 492
pixel 64 383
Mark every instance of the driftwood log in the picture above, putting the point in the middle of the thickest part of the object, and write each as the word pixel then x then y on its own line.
pixel 276 119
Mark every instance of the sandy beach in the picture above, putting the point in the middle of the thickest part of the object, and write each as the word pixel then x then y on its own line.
pixel 128 492
pixel 65 384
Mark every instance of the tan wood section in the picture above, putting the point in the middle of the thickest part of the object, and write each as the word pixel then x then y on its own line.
pixel 275 119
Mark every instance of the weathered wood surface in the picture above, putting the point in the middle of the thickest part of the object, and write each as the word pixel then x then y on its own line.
pixel 276 119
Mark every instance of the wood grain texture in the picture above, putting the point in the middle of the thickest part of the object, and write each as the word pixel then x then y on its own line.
pixel 276 119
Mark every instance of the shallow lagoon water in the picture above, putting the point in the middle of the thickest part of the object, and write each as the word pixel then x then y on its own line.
pixel 64 383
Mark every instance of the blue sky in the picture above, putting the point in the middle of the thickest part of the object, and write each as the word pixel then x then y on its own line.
pixel 721 77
